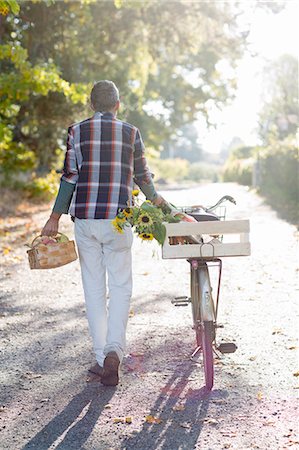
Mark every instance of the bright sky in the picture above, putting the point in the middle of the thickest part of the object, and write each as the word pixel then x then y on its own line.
pixel 271 35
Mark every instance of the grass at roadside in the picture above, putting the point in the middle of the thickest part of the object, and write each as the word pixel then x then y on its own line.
pixel 17 224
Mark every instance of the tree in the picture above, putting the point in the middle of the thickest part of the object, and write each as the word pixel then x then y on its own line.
pixel 279 115
pixel 165 57
pixel 185 145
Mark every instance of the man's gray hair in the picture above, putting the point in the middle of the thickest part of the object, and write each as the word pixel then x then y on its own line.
pixel 104 95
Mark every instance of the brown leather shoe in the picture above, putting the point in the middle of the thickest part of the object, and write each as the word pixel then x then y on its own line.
pixel 110 375
pixel 96 369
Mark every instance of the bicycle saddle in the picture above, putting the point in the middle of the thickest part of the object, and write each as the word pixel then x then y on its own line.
pixel 202 216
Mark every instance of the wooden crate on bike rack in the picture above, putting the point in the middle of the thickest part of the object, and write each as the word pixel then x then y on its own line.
pixel 235 241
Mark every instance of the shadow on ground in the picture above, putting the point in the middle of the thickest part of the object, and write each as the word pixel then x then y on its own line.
pixel 73 426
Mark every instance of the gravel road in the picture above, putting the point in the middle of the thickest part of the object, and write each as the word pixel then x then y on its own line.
pixel 48 402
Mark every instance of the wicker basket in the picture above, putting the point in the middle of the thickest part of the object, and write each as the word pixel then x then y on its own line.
pixel 58 254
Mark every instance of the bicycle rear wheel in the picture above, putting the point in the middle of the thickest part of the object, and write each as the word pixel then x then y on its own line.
pixel 194 283
pixel 207 337
pixel 203 312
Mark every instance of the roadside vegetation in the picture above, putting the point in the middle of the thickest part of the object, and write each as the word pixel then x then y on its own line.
pixel 273 167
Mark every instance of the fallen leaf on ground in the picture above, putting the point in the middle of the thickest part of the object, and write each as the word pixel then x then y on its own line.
pixel 44 400
pixel 108 406
pixel 123 420
pixel 131 313
pixel 269 422
pixel 218 362
pixel 144 273
pixel 293 347
pixel 277 331
pixel 118 420
pixel 252 358
pixel 178 408
pixel 6 250
pixel 152 419
pixel 185 425
pixel 296 374
pixel 31 375
pixel 260 396
pixel 228 433
pixel 210 421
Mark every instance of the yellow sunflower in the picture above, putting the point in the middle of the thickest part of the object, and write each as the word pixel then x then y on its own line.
pixel 146 236
pixel 135 192
pixel 128 212
pixel 120 219
pixel 145 219
pixel 117 225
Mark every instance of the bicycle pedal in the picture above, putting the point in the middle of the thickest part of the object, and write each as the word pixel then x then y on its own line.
pixel 227 347
pixel 181 301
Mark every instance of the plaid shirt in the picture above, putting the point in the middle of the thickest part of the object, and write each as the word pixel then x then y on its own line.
pixel 103 155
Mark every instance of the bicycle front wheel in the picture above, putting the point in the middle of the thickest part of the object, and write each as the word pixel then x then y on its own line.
pixel 207 337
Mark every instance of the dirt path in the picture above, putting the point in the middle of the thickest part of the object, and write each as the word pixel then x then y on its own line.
pixel 46 402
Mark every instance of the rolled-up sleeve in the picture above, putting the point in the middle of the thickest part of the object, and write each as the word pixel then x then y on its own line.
pixel 70 167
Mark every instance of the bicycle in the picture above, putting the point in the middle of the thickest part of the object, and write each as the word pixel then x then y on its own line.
pixel 189 241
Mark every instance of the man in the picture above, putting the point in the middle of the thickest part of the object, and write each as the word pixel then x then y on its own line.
pixel 103 157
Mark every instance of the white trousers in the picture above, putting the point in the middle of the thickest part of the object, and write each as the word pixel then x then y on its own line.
pixel 102 250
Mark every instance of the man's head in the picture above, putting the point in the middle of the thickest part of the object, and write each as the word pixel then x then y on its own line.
pixel 104 96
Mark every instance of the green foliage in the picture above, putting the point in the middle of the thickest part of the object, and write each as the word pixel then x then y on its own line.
pixel 23 83
pixel 279 116
pixel 201 171
pixel 239 171
pixel 42 188
pixel 159 232
pixel 178 170
pixel 170 169
pixel 242 152
pixel 146 220
pixel 7 6
pixel 239 166
pixel 14 159
pixel 278 174
pixel 53 51
pixel 279 165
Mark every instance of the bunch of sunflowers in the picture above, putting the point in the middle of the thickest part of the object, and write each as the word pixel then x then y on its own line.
pixel 146 219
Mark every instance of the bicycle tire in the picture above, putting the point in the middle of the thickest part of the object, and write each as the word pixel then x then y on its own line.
pixel 207 337
pixel 195 306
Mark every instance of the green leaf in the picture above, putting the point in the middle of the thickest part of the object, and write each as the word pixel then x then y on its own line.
pixel 135 214
pixel 171 219
pixel 159 232
pixel 148 207
pixel 14 6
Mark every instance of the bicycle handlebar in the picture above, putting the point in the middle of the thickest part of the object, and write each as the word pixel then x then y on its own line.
pixel 225 198
pixel 208 209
